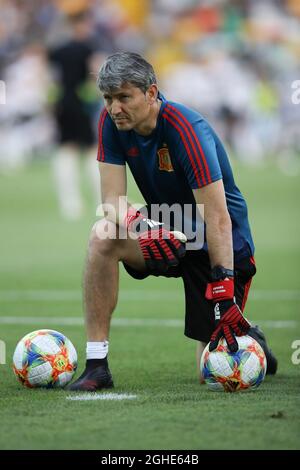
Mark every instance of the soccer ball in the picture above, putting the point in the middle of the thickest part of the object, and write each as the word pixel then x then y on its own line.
pixel 232 372
pixel 44 358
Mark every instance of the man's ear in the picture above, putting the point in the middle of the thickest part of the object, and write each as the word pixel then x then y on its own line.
pixel 151 93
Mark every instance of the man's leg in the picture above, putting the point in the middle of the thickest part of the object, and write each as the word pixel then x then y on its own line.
pixel 272 362
pixel 245 271
pixel 199 350
pixel 101 279
pixel 101 285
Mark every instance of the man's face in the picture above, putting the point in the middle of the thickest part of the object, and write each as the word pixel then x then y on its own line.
pixel 129 107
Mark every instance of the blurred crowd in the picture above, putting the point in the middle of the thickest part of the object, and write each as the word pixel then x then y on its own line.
pixel 234 61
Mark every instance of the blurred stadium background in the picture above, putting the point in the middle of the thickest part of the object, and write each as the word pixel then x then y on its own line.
pixel 234 61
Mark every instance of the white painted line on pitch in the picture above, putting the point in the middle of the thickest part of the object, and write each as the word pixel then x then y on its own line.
pixel 40 295
pixel 102 396
pixel 133 295
pixel 274 295
pixel 276 323
pixel 10 320
pixel 130 322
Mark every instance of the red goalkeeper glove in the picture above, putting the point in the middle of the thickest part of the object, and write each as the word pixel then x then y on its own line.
pixel 229 319
pixel 160 247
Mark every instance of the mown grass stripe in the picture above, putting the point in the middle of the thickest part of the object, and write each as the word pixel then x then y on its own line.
pixel 132 295
pixel 129 322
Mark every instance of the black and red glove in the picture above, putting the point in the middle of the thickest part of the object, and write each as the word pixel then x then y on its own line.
pixel 229 319
pixel 161 248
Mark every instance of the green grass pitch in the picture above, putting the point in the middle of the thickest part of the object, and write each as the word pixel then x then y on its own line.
pixel 42 259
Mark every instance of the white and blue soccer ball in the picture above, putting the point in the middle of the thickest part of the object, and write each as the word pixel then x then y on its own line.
pixel 44 358
pixel 223 370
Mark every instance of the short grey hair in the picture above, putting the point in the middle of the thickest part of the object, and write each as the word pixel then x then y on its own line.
pixel 125 67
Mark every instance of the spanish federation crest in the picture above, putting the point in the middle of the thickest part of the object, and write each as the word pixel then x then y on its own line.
pixel 164 159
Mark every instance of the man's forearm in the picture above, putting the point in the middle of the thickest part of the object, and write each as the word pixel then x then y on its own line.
pixel 219 242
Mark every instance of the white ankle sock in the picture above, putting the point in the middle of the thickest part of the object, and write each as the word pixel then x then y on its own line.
pixel 96 350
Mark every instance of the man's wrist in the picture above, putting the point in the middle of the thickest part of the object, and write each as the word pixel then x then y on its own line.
pixel 222 285
pixel 219 273
pixel 220 290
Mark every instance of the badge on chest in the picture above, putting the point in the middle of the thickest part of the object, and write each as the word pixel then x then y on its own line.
pixel 164 159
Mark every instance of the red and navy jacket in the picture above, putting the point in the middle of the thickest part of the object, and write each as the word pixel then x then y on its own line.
pixel 182 153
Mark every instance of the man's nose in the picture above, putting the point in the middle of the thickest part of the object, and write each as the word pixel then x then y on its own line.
pixel 116 108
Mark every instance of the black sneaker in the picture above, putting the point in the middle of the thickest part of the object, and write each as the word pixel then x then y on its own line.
pixel 96 376
pixel 272 363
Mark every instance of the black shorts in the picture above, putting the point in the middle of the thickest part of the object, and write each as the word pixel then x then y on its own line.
pixel 74 124
pixel 195 271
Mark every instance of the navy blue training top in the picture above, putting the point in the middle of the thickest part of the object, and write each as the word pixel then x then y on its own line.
pixel 182 153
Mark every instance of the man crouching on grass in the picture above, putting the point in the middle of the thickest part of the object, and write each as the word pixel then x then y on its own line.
pixel 176 158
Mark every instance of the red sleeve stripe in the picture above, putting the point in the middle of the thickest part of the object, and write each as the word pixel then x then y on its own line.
pixel 246 292
pixel 203 165
pixel 196 173
pixel 100 156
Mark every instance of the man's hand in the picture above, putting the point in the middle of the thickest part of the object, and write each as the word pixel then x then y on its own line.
pixel 229 319
pixel 230 323
pixel 160 247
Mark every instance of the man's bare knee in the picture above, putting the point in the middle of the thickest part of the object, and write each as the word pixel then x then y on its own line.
pixel 108 239
pixel 103 239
